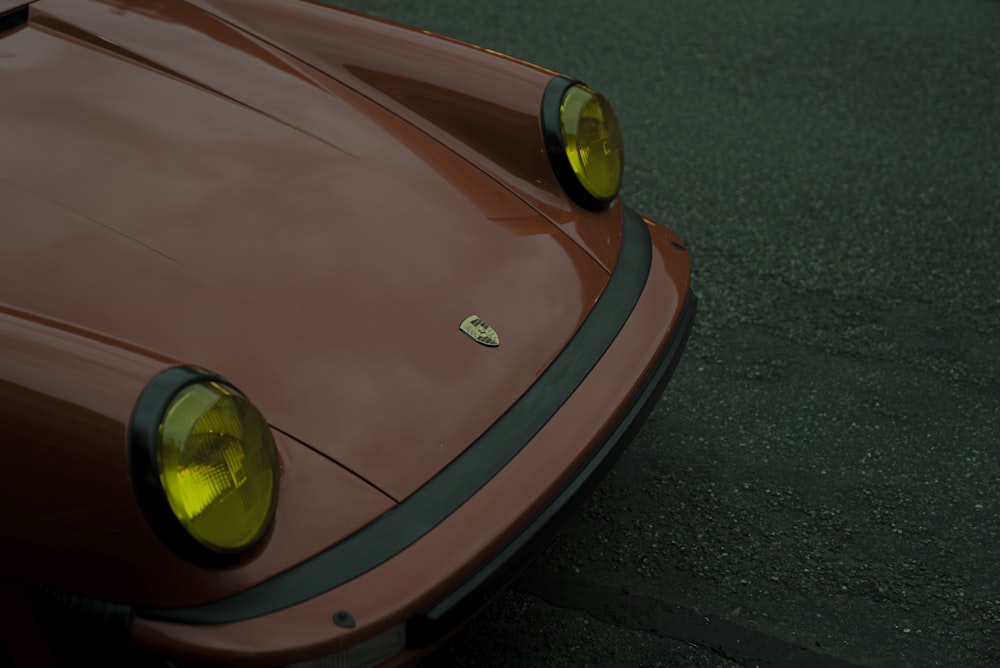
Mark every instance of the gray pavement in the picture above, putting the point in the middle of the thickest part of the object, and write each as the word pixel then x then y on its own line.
pixel 821 483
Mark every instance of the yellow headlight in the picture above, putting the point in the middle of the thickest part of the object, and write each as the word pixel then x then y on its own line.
pixel 218 466
pixel 592 141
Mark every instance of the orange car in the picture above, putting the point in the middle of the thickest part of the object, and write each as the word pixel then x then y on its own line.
pixel 314 327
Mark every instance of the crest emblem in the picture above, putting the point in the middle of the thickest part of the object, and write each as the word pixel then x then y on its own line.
pixel 479 330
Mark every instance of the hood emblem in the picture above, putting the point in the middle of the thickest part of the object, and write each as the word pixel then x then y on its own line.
pixel 479 330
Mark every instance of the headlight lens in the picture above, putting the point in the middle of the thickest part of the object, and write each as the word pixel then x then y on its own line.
pixel 593 141
pixel 218 466
pixel 584 142
pixel 204 465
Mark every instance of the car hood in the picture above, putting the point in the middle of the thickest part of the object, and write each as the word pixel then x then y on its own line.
pixel 257 218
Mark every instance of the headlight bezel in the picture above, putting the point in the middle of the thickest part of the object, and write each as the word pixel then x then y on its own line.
pixel 143 445
pixel 555 144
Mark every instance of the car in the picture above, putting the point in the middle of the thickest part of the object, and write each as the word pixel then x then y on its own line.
pixel 315 328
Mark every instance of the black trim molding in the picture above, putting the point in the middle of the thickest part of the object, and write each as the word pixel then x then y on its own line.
pixel 434 623
pixel 409 521
pixel 14 18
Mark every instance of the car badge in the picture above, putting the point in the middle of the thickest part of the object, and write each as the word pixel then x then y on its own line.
pixel 479 330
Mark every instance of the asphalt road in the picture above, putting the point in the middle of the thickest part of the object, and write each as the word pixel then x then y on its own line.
pixel 821 483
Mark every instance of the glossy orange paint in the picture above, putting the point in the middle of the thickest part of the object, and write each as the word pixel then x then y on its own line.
pixel 279 227
pixel 308 202
pixel 482 104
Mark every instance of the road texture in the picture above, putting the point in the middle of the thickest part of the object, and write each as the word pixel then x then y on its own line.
pixel 820 485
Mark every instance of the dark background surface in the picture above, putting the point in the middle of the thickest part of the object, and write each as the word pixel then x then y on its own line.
pixel 820 484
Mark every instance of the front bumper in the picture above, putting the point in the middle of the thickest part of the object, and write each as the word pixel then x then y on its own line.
pixel 429 563
pixel 435 622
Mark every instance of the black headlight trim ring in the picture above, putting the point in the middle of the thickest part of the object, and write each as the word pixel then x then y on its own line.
pixel 143 436
pixel 555 146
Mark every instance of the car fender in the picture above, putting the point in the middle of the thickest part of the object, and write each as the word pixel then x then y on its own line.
pixel 482 104
pixel 65 400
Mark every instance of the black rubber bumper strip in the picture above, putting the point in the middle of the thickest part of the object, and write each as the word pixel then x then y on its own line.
pixel 409 521
pixel 435 622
